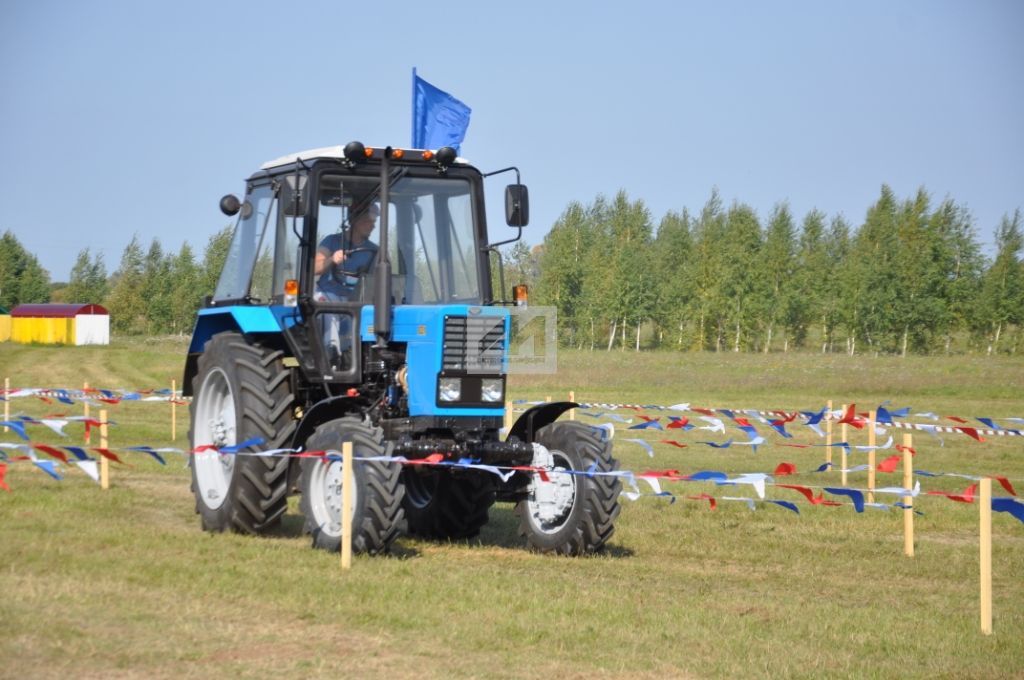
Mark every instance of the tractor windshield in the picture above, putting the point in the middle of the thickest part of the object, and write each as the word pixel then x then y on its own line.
pixel 432 241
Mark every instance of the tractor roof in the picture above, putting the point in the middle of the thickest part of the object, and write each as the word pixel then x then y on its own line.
pixel 335 152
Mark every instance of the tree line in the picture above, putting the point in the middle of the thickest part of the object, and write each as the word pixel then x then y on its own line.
pixel 911 278
pixel 152 292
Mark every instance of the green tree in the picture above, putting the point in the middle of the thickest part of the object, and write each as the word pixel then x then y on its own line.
pixel 1001 302
pixel 811 272
pixel 88 283
pixel 186 296
pixel 157 289
pixel 672 259
pixel 561 268
pixel 22 279
pixel 869 281
pixel 214 256
pixel 705 277
pixel 631 280
pixel 918 307
pixel 776 267
pixel 126 302
pixel 742 292
pixel 961 263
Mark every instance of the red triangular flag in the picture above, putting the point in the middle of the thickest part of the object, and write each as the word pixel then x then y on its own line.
pixel 889 464
pixel 783 469
pixel 55 452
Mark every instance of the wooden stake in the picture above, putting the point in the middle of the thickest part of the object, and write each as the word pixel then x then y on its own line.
pixel 85 405
pixel 174 410
pixel 548 398
pixel 828 434
pixel 908 483
pixel 7 402
pixel 572 411
pixel 509 417
pixel 985 501
pixel 347 483
pixel 871 456
pixel 104 463
pixel 842 433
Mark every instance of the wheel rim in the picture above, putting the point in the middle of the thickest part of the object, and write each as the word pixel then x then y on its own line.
pixel 214 424
pixel 325 496
pixel 549 504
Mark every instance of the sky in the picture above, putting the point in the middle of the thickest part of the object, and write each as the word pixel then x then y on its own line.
pixel 134 118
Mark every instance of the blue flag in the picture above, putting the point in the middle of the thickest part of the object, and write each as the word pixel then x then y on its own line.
pixel 438 119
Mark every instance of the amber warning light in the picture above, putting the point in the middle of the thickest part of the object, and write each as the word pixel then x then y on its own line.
pixel 520 294
pixel 291 292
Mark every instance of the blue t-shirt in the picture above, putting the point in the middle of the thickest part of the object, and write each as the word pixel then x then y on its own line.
pixel 341 280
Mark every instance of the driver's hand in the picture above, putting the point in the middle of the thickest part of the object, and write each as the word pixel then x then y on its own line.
pixel 338 256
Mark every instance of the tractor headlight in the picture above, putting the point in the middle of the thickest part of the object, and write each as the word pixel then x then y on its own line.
pixel 491 390
pixel 449 389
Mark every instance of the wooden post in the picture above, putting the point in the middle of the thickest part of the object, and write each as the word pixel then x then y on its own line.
pixel 548 398
pixel 985 501
pixel 347 483
pixel 104 463
pixel 174 410
pixel 572 411
pixel 842 433
pixel 509 417
pixel 871 456
pixel 85 406
pixel 828 434
pixel 7 402
pixel 908 483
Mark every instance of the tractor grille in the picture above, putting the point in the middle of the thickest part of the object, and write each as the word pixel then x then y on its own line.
pixel 474 344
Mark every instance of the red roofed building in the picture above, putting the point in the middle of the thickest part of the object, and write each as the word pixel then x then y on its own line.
pixel 61 324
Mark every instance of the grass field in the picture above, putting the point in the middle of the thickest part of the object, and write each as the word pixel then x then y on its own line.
pixel 124 584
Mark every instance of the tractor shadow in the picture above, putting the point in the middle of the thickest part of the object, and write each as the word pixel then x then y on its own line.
pixel 501 531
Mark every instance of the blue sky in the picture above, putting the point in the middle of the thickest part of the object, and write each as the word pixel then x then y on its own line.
pixel 123 118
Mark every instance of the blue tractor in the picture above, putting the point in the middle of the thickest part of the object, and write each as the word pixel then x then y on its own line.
pixel 356 305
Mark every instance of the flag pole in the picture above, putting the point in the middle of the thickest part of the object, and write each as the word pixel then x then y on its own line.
pixel 412 117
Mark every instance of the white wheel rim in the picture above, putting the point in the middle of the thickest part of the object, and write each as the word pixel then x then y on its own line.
pixel 214 424
pixel 325 496
pixel 549 504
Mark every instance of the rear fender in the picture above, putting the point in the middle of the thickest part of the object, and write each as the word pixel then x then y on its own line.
pixel 245 319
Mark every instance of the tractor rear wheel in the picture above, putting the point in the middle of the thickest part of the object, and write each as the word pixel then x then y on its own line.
pixel 377 497
pixel 441 505
pixel 242 392
pixel 571 514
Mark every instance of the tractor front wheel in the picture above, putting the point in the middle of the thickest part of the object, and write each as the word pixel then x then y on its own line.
pixel 573 512
pixel 377 493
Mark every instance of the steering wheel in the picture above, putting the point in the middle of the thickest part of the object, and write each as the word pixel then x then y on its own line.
pixel 348 253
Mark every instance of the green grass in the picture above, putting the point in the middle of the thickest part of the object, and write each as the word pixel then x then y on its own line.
pixel 124 583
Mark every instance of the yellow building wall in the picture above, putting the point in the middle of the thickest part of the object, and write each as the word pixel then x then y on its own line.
pixel 44 331
pixel 5 327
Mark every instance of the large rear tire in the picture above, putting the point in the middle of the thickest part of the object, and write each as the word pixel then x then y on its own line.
pixel 571 514
pixel 440 505
pixel 377 498
pixel 241 391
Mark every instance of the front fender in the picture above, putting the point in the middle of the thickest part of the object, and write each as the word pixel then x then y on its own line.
pixel 536 417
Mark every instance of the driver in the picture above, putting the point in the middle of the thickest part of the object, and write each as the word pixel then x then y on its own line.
pixel 342 257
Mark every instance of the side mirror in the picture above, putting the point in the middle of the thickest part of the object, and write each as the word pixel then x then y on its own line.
pixel 517 205
pixel 230 205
